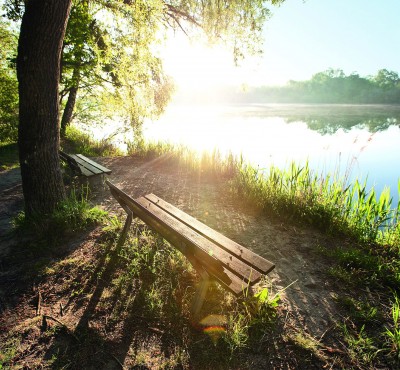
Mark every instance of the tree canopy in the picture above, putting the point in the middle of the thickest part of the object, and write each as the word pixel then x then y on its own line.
pixel 109 47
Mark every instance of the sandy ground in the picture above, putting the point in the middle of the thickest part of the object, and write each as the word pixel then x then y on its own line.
pixel 308 301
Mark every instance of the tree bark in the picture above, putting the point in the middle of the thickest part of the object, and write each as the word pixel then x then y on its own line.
pixel 38 69
pixel 70 105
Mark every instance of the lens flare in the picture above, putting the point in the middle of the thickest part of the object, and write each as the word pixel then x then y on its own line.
pixel 214 326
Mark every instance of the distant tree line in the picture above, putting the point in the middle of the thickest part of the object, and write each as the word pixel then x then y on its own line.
pixel 333 87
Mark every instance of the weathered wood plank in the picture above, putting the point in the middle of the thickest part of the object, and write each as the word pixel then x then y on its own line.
pixel 188 241
pixel 198 242
pixel 72 162
pixel 203 246
pixel 95 164
pixel 87 166
pixel 225 277
pixel 244 254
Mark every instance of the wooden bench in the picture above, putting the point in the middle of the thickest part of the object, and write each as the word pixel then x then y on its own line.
pixel 84 167
pixel 214 256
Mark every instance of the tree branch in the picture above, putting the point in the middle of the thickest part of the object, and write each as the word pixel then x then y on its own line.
pixel 174 10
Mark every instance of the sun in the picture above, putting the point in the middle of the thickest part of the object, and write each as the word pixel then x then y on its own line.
pixel 197 66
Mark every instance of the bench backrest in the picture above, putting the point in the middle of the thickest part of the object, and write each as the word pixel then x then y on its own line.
pixel 70 161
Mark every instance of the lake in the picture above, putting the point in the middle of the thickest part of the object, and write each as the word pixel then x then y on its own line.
pixel 354 141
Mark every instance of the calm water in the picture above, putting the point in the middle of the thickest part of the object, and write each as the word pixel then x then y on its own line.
pixel 355 141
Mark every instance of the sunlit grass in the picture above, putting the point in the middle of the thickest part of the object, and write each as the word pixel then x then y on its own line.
pixel 71 215
pixel 393 334
pixel 205 161
pixel 328 202
pixel 297 192
pixel 167 291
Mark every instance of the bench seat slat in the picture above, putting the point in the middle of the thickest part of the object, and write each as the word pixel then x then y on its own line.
pixel 235 267
pixel 204 247
pixel 86 166
pixel 84 171
pixel 94 164
pixel 225 277
pixel 256 261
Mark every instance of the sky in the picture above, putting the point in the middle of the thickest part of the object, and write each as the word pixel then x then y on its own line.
pixel 301 39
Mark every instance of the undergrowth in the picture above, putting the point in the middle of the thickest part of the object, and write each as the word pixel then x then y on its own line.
pixel 73 214
pixel 142 292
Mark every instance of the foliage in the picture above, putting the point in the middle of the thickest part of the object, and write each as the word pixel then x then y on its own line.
pixel 393 334
pixel 8 84
pixel 76 141
pixel 140 88
pixel 142 24
pixel 110 60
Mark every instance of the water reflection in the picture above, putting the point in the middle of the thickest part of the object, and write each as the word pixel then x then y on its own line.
pixel 330 125
pixel 352 141
pixel 326 118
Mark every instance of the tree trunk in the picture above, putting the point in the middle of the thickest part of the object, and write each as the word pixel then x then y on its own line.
pixel 69 107
pixel 38 69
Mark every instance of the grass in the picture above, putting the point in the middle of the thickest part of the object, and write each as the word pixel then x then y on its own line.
pixel 393 334
pixel 73 214
pixel 141 292
pixel 326 202
pixel 369 221
pixel 8 350
pixel 167 284
pixel 360 346
pixel 206 162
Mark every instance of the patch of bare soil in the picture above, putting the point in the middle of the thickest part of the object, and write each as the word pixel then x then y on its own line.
pixel 71 280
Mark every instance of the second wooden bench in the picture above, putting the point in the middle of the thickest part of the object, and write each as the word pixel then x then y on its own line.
pixel 84 167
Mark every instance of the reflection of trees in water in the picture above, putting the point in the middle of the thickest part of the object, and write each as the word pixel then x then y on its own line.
pixel 328 125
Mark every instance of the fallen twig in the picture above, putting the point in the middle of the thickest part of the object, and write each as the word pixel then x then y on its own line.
pixel 116 359
pixel 62 324
pixel 39 303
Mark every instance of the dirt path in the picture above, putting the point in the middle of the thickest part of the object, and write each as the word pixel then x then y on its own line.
pixel 308 303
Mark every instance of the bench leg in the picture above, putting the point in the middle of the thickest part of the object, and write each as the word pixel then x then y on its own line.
pixel 127 225
pixel 200 294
